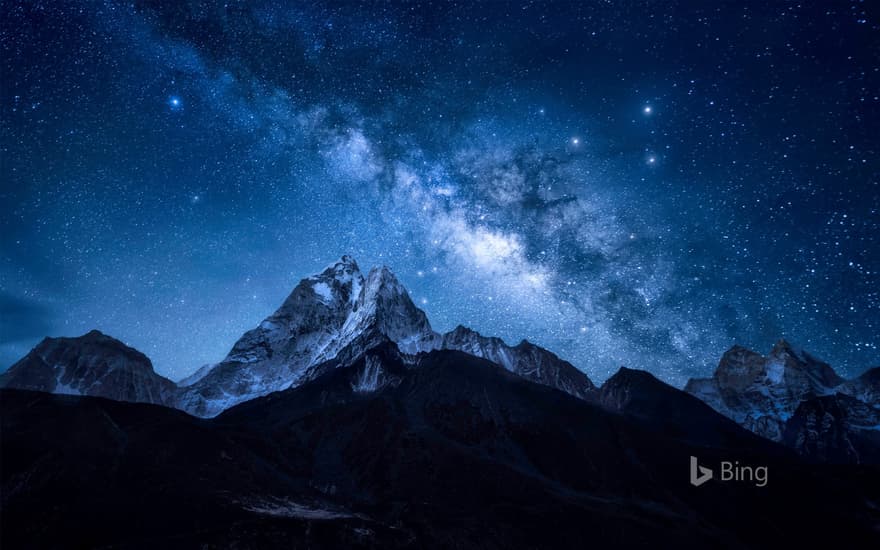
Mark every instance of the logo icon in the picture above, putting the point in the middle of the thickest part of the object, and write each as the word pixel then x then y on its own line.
pixel 699 474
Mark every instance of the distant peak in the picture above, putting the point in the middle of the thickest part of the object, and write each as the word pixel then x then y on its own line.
pixel 344 268
pixel 782 346
pixel 628 374
pixel 345 263
pixel 461 329
pixel 382 276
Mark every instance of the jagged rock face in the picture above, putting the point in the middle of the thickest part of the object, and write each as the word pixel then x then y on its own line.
pixel 328 321
pixel 92 364
pixel 526 359
pixel 865 388
pixel 309 328
pixel 797 400
pixel 331 320
pixel 835 428
pixel 761 393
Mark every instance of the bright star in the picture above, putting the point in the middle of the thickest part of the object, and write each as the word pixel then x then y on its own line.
pixel 575 141
pixel 647 110
pixel 175 103
pixel 652 160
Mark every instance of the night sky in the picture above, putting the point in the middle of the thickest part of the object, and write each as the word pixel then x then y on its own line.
pixel 622 183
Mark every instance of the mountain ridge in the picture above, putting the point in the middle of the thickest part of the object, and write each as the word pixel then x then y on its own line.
pixel 331 319
pixel 455 451
pixel 338 314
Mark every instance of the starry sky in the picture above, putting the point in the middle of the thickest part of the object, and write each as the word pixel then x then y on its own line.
pixel 639 184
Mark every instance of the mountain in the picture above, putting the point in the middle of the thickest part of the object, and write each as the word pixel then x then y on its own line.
pixel 525 359
pixel 670 410
pixel 793 398
pixel 865 388
pixel 762 392
pixel 835 428
pixel 200 373
pixel 393 450
pixel 91 364
pixel 331 319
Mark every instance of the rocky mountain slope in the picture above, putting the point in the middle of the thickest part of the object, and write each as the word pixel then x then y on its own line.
pixel 334 317
pixel 91 364
pixel 328 321
pixel 792 397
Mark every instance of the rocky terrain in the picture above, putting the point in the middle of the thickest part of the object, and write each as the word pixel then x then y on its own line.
pixel 345 420
pixel 92 364
pixel 791 397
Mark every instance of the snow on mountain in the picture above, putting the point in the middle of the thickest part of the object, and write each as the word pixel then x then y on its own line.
pixel 196 376
pixel 526 359
pixel 92 364
pixel 276 354
pixel 865 388
pixel 329 320
pixel 335 317
pixel 762 393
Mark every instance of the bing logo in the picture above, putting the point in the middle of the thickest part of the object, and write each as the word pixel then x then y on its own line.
pixel 730 471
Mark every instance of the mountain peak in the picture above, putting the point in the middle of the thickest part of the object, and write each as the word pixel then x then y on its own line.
pixel 782 348
pixel 761 392
pixel 343 268
pixel 383 276
pixel 626 373
pixel 91 364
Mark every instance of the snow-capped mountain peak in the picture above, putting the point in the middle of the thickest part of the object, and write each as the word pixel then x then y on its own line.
pixel 336 314
pixel 328 320
pixel 762 392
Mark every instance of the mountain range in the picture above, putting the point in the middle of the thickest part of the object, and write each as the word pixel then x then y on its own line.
pixel 328 320
pixel 344 419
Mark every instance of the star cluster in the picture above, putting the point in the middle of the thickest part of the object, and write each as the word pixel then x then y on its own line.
pixel 621 186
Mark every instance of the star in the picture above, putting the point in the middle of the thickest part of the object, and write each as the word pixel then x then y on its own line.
pixel 648 110
pixel 175 103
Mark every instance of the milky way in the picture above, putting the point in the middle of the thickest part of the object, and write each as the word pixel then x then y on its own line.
pixel 620 184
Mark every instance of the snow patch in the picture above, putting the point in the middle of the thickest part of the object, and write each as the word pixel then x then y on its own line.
pixel 370 377
pixel 289 509
pixel 323 291
pixel 65 389
pixel 775 372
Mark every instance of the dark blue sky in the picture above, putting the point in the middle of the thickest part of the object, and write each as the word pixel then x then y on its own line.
pixel 623 183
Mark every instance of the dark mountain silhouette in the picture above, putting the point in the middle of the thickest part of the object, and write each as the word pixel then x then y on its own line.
pixel 439 450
